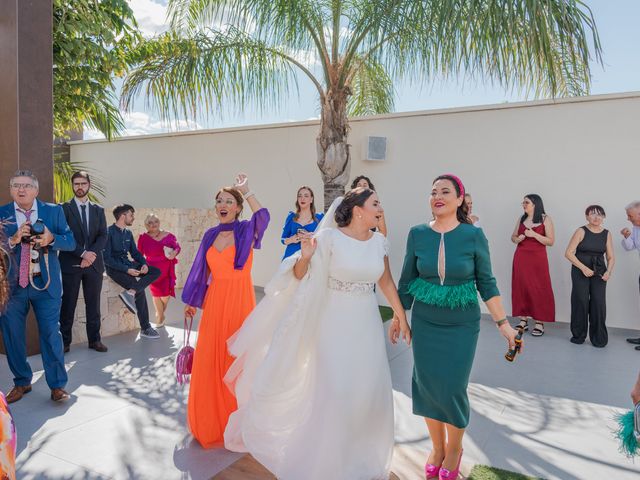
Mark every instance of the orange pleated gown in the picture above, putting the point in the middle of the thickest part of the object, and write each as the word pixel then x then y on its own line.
pixel 230 298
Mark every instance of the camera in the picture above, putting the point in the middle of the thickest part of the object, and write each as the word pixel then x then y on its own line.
pixel 36 228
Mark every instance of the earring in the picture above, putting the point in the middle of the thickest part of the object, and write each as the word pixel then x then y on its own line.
pixel 359 216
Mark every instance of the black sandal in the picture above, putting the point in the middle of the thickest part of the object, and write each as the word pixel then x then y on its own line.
pixel 537 331
pixel 523 325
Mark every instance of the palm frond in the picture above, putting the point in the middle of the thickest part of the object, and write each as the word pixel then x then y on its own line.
pixel 105 116
pixel 62 189
pixel 289 24
pixel 194 75
pixel 539 46
pixel 372 90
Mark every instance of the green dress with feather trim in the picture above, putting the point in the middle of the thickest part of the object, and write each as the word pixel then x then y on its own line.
pixel 445 318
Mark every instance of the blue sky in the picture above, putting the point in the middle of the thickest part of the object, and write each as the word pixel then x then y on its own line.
pixel 617 22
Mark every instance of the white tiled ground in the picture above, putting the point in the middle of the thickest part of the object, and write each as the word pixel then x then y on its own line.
pixel 549 414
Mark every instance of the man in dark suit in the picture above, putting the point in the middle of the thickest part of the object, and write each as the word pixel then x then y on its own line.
pixel 34 280
pixel 128 268
pixel 84 265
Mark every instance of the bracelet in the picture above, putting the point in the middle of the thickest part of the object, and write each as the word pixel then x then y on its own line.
pixel 499 323
pixel 247 195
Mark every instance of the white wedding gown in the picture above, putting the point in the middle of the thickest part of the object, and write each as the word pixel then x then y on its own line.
pixel 311 375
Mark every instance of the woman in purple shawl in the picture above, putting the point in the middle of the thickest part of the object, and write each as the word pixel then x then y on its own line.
pixel 220 283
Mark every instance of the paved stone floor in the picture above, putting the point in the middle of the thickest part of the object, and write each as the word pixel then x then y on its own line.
pixel 549 414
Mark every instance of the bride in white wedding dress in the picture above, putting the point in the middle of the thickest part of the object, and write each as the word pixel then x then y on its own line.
pixel 311 374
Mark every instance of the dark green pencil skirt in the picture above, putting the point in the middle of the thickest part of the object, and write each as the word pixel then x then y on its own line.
pixel 444 345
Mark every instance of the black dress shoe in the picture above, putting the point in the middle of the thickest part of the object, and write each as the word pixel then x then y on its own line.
pixel 638 347
pixel 635 341
pixel 98 346
pixel 577 341
pixel 67 348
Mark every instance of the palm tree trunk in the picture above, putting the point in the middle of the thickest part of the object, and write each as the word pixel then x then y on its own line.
pixel 334 157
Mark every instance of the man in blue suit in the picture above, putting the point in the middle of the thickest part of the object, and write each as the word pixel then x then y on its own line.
pixel 36 282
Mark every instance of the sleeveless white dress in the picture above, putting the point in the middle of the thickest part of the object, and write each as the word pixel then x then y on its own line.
pixel 311 376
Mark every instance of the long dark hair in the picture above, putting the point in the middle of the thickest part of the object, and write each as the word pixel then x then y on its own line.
pixel 538 208
pixel 354 184
pixel 296 217
pixel 462 213
pixel 354 198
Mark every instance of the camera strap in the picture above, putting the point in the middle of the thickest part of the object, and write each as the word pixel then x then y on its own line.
pixel 45 252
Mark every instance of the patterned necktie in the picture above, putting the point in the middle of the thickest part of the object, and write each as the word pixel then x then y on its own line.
pixel 25 250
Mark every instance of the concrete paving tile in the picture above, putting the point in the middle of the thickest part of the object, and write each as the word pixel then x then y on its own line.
pixel 128 443
pixel 42 466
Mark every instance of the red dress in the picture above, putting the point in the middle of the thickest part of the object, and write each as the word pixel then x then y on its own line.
pixel 153 251
pixel 531 292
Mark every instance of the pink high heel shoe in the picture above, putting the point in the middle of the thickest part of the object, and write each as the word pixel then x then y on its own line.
pixel 450 474
pixel 431 471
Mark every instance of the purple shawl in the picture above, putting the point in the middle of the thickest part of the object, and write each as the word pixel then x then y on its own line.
pixel 247 234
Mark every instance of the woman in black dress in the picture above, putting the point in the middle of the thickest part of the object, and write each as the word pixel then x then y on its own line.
pixel 589 276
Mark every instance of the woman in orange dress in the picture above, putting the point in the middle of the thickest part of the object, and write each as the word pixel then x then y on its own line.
pixel 220 283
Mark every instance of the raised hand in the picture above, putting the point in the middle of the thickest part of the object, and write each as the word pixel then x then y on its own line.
pixel 242 183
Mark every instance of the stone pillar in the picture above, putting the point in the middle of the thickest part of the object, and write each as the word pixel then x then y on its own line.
pixel 26 104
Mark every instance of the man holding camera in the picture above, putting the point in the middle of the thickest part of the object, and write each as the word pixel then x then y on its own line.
pixel 83 265
pixel 36 232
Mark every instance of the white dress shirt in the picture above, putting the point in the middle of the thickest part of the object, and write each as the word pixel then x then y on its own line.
pixel 20 218
pixel 87 203
pixel 632 242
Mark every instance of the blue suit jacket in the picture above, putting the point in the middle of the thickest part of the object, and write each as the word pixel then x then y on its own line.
pixel 53 217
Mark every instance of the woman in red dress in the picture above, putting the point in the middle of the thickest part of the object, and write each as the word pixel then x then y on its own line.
pixel 531 292
pixel 160 248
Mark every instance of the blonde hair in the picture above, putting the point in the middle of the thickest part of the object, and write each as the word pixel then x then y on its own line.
pixel 148 218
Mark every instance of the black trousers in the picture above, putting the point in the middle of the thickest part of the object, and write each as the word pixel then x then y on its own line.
pixel 588 308
pixel 91 281
pixel 139 284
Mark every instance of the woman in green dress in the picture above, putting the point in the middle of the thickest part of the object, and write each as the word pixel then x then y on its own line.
pixel 446 263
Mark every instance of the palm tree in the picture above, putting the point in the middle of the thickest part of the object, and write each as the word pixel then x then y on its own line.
pixel 90 43
pixel 221 52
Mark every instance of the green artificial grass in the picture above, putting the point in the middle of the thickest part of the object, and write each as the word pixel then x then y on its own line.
pixel 386 313
pixel 482 472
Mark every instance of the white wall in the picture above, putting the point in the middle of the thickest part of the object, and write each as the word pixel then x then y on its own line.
pixel 572 152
